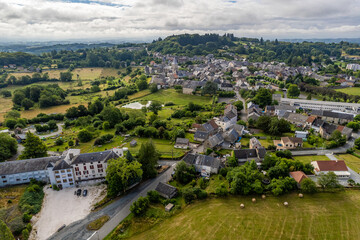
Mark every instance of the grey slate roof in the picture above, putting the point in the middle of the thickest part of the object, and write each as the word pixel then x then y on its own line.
pixel 30 165
pixel 202 160
pixel 201 134
pixel 245 153
pixel 182 141
pixel 215 140
pixel 94 157
pixel 61 165
pixel 166 190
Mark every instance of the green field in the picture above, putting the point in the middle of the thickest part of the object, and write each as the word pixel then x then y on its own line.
pixel 350 91
pixel 319 216
pixel 170 95
pixel 308 159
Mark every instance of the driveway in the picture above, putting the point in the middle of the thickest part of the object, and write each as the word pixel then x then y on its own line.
pixel 243 113
pixel 59 131
pixel 117 211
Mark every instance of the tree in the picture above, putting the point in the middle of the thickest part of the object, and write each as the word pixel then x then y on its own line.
pixel 65 76
pixel 106 125
pixel 183 173
pixel 239 105
pixel 308 186
pixel 328 181
pixel 141 84
pixel 13 114
pixel 8 146
pixel 139 207
pixel 121 174
pixel 153 88
pixel 154 196
pixel 18 97
pixel 27 103
pixel 221 190
pixel 232 162
pixel 85 136
pixel 209 88
pixel 155 107
pixel 354 125
pixel 263 97
pixel 293 91
pixel 282 185
pixel 357 118
pixel 5 233
pixel 129 156
pixel 34 147
pixel 357 143
pixel 112 115
pixel 148 158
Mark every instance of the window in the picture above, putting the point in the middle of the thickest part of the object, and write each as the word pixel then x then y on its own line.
pixel 86 172
pixel 68 170
pixel 62 171
pixel 4 181
pixel 76 169
pixel 56 171
pixel 3 176
pixel 18 179
pixel 99 166
pixel 71 183
pixel 57 176
pixel 91 166
pixel 93 171
pixel 101 170
pixel 69 175
pixel 84 167
pixel 70 179
pixel 58 181
pixel 64 180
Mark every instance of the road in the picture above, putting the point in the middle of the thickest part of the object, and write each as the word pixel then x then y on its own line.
pixel 59 131
pixel 117 211
pixel 243 113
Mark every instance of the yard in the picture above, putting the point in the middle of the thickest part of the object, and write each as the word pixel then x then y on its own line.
pixel 164 147
pixel 308 159
pixel 351 161
pixel 315 216
pixel 350 91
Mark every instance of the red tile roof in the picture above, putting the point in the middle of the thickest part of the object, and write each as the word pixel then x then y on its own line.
pixel 311 119
pixel 298 176
pixel 340 128
pixel 338 165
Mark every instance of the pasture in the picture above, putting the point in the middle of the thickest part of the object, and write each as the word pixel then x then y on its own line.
pixel 350 91
pixel 318 216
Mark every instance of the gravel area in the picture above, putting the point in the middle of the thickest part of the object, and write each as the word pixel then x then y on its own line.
pixel 63 207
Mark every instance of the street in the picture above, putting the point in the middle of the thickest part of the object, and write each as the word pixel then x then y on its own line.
pixel 117 211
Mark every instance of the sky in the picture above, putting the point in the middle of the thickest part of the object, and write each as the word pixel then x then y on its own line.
pixel 144 20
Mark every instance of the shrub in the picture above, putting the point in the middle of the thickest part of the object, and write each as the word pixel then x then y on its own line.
pixel 223 172
pixel 203 183
pixel 221 190
pixel 85 136
pixel 140 206
pixel 25 234
pixel 188 195
pixel 59 142
pixel 26 218
pixel 71 143
pixel 154 196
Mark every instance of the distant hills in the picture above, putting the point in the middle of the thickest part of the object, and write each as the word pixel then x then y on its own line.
pixel 325 40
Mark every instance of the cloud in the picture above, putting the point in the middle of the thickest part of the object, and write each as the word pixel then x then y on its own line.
pixel 146 20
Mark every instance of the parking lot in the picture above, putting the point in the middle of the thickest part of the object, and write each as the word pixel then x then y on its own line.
pixel 63 207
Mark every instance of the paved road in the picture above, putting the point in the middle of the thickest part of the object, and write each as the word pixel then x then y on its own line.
pixel 117 211
pixel 243 112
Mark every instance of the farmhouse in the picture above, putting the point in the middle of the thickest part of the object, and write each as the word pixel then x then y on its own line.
pixel 203 163
pixel 244 155
pixel 288 143
pixel 338 167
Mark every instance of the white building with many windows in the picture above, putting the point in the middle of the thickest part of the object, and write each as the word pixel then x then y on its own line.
pixel 63 171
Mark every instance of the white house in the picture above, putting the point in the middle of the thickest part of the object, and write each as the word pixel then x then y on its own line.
pixel 203 163
pixel 338 167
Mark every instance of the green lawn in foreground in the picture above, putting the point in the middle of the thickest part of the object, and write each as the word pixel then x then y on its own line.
pixel 319 216
pixel 170 95
pixel 308 159
pixel 350 91
pixel 351 161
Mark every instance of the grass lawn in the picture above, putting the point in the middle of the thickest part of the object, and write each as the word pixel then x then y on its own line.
pixel 350 91
pixel 351 161
pixel 319 216
pixel 308 159
pixel 170 95
pixel 11 193
pixel 164 147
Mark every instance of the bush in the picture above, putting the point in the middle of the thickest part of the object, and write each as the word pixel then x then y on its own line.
pixel 223 172
pixel 154 196
pixel 25 234
pixel 26 218
pixel 139 207
pixel 203 183
pixel 30 202
pixel 221 190
pixel 308 186
pixel 85 136
pixel 71 143
pixel 59 142
pixel 188 195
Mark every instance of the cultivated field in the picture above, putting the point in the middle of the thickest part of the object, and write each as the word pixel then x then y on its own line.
pixel 351 161
pixel 320 216
pixel 350 91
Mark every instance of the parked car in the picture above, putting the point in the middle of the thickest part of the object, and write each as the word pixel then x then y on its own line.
pixel 78 192
pixel 85 193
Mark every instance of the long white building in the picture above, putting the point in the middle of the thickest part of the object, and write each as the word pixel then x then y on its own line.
pixel 63 171
pixel 323 105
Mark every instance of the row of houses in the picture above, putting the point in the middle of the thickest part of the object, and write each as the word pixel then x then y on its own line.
pixel 64 171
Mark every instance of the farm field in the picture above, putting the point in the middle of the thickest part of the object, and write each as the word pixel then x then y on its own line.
pixel 319 216
pixel 170 95
pixel 350 91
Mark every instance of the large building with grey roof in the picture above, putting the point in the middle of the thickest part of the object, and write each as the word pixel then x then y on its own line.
pixel 64 171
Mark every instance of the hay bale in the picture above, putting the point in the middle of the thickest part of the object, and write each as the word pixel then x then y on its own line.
pixel 286 204
pixel 242 205
pixel 301 195
pixel 263 196
pixel 253 200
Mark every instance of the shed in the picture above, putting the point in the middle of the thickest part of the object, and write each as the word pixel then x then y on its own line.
pixel 133 143
pixel 166 190
pixel 169 207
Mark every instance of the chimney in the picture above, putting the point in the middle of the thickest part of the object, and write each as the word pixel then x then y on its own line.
pixel 71 155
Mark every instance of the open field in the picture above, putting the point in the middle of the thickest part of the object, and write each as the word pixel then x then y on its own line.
pixel 351 161
pixel 319 216
pixel 170 95
pixel 350 91
pixel 11 193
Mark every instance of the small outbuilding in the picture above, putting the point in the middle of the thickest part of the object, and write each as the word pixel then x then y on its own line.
pixel 133 143
pixel 169 207
pixel 165 190
pixel 182 143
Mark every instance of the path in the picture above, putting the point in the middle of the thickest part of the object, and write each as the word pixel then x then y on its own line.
pixel 117 211
pixel 243 113
pixel 59 131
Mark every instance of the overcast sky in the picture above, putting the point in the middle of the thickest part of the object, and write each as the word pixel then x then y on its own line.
pixel 28 20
